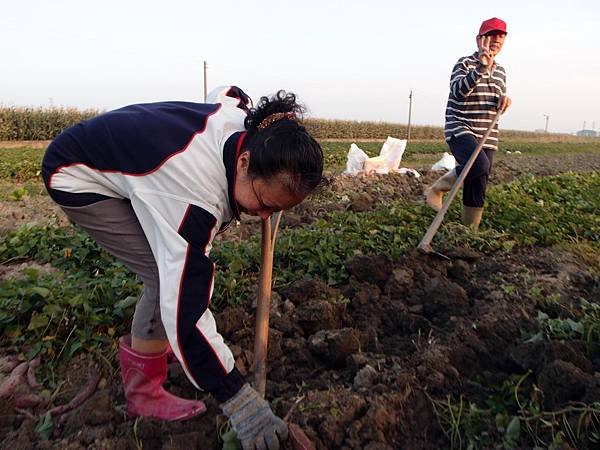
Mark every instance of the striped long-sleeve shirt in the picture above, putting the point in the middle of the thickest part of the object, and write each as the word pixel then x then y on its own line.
pixel 473 99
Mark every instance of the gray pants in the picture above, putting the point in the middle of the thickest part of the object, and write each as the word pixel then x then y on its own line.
pixel 115 227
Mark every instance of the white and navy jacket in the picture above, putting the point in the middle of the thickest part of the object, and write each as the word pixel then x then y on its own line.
pixel 473 100
pixel 175 162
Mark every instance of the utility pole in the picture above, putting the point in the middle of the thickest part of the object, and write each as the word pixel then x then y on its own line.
pixel 583 125
pixel 410 96
pixel 205 84
pixel 547 119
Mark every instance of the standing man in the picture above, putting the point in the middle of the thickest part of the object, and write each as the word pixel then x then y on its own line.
pixel 477 94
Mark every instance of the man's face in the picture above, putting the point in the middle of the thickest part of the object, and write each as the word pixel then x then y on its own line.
pixel 496 41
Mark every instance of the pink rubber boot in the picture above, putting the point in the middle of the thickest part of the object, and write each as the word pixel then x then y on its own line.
pixel 171 358
pixel 143 378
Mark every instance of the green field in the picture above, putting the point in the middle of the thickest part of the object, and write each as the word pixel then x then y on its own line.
pixel 524 213
pixel 23 163
pixel 424 152
pixel 71 299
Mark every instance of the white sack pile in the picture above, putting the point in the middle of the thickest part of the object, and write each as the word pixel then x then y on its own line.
pixel 389 158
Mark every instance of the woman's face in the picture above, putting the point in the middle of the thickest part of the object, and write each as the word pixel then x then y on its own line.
pixel 261 196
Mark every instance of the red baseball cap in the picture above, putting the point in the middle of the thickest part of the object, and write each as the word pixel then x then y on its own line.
pixel 493 24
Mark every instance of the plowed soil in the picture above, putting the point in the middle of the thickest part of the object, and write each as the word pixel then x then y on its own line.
pixel 368 356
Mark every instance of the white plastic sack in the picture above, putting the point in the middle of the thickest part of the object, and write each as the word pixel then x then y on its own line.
pixel 356 160
pixel 406 170
pixel 447 162
pixel 376 164
pixel 392 151
pixel 388 160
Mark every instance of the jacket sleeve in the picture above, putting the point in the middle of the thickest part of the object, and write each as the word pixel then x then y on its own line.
pixel 463 80
pixel 181 249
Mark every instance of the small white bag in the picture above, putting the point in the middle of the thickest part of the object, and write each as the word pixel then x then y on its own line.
pixel 404 171
pixel 447 162
pixel 356 160
pixel 392 151
pixel 376 164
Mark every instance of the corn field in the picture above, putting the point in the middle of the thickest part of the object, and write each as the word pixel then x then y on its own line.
pixel 39 124
pixel 349 129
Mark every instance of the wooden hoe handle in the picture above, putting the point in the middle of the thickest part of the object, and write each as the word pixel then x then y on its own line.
pixel 261 337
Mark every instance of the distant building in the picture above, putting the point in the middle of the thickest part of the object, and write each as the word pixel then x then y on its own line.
pixel 587 133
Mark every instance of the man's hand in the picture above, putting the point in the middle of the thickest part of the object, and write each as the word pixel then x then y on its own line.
pixel 484 54
pixel 503 103
pixel 256 426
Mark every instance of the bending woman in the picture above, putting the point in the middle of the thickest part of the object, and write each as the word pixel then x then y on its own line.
pixel 153 184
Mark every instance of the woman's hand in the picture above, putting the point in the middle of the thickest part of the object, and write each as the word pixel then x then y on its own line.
pixel 254 423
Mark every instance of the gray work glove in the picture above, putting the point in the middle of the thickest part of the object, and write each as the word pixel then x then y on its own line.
pixel 251 417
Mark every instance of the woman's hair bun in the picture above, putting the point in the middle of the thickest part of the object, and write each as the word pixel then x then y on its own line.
pixel 281 102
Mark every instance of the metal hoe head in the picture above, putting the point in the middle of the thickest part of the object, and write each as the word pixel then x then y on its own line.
pixel 428 250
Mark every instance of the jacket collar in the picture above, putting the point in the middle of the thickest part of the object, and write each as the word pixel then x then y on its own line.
pixel 231 152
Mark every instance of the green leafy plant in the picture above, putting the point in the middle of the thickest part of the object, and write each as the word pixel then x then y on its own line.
pixel 45 426
pixel 18 194
pixel 513 416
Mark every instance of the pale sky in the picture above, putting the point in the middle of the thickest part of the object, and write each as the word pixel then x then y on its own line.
pixel 349 59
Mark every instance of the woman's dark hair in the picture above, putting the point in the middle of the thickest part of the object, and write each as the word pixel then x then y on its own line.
pixel 283 146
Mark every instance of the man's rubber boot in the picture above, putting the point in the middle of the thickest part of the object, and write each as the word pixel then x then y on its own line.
pixel 143 377
pixel 471 216
pixel 434 194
